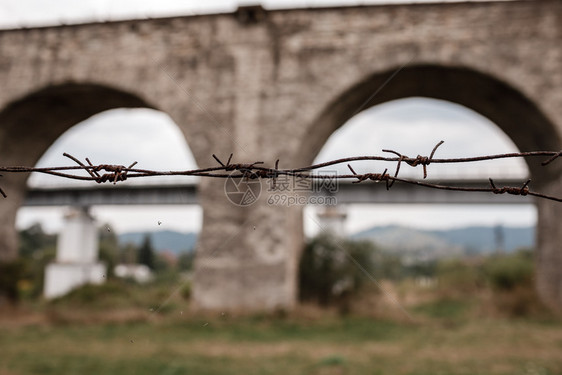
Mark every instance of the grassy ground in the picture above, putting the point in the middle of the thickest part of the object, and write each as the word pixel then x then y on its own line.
pixel 441 336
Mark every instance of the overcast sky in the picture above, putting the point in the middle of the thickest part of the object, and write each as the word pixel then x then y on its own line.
pixel 386 126
pixel 395 125
pixel 17 13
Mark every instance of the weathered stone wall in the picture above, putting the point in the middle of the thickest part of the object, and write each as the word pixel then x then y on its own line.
pixel 276 85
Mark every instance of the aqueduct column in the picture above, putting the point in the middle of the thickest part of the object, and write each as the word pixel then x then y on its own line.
pixel 10 268
pixel 247 255
pixel 548 254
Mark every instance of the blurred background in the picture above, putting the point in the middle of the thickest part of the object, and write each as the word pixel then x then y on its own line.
pixel 382 288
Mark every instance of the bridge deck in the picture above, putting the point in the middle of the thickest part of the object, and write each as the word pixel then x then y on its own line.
pixel 347 193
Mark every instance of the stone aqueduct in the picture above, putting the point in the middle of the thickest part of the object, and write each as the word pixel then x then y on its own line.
pixel 275 84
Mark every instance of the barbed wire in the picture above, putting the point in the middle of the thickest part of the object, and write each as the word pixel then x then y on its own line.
pixel 118 173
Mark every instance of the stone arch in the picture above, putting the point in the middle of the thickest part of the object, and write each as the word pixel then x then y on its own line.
pixel 42 116
pixel 512 111
pixel 517 115
pixel 29 126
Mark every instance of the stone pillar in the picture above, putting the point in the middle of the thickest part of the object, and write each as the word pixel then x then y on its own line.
pixel 246 259
pixel 548 256
pixel 11 268
pixel 14 186
pixel 247 254
pixel 77 254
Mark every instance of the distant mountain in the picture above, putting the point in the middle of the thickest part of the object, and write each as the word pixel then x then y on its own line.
pixel 428 244
pixel 410 242
pixel 483 239
pixel 175 242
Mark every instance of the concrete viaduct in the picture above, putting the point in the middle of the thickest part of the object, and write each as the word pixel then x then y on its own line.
pixel 276 84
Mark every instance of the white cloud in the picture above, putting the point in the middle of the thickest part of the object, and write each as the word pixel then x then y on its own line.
pixel 360 217
pixel 440 216
pixel 121 219
pixel 413 127
pixel 121 136
pixel 41 12
pixel 179 218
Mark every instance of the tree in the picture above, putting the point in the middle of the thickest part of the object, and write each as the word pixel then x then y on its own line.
pixel 128 254
pixel 36 250
pixel 329 270
pixel 33 240
pixel 146 253
pixel 185 261
pixel 108 248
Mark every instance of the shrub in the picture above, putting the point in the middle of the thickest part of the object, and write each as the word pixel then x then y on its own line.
pixel 511 278
pixel 10 274
pixel 506 272
pixel 89 294
pixel 185 291
pixel 457 276
pixel 333 269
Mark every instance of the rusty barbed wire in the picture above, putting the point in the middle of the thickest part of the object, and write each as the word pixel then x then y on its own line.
pixel 118 173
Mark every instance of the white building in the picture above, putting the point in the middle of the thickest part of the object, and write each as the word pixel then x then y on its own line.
pixel 77 256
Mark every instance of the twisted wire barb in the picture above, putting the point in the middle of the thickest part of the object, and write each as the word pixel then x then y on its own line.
pixel 424 161
pixel 117 173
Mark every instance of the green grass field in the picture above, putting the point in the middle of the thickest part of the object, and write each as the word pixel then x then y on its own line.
pixel 442 337
pixel 457 326
pixel 469 316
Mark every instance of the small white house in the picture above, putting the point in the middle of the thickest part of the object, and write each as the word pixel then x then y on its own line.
pixel 138 272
